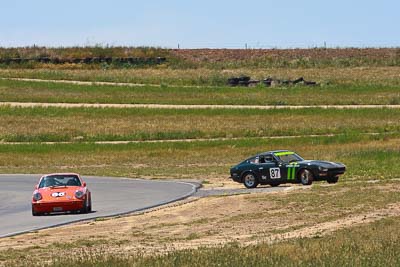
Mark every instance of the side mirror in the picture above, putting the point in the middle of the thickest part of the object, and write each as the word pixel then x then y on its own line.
pixel 84 184
pixel 36 187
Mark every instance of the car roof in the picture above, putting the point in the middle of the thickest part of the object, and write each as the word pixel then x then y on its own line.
pixel 61 173
pixel 270 153
pixel 274 152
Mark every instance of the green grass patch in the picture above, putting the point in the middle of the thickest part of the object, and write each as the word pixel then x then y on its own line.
pixel 109 124
pixel 366 157
pixel 353 93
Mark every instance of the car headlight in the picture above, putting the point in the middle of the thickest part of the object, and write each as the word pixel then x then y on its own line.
pixel 79 194
pixel 322 169
pixel 37 196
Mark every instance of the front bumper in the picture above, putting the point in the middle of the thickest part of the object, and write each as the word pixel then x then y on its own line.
pixel 64 206
pixel 332 172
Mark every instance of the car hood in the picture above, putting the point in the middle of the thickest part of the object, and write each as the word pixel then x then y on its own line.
pixel 59 193
pixel 323 164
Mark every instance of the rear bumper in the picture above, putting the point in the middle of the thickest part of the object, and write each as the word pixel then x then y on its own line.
pixel 48 207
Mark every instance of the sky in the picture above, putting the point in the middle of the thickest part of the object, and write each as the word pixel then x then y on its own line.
pixel 201 24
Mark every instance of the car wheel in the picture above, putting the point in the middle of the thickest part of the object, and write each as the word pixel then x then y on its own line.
pixel 332 180
pixel 306 177
pixel 90 205
pixel 85 208
pixel 250 180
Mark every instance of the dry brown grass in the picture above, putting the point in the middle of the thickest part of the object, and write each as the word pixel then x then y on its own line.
pixel 316 54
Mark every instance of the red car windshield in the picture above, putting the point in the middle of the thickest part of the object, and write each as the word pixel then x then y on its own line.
pixel 60 180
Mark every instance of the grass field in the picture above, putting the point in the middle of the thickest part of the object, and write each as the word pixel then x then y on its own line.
pixel 210 58
pixel 97 124
pixel 363 93
pixel 352 223
pixel 368 75
pixel 367 157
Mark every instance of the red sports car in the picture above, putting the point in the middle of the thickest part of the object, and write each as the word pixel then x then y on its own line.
pixel 61 192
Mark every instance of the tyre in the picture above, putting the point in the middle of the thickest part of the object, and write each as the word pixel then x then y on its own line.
pixel 86 206
pixel 250 180
pixel 35 213
pixel 332 180
pixel 306 177
pixel 89 210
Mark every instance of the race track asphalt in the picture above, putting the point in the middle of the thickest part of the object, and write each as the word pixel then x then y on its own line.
pixel 110 197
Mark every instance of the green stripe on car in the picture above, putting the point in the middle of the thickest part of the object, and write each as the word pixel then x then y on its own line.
pixel 291 174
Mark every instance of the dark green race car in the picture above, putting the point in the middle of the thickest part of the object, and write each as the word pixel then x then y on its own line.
pixel 283 166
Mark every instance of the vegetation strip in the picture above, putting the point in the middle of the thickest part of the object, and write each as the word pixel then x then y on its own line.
pixel 55 124
pixel 93 83
pixel 367 157
pixel 182 140
pixel 352 93
pixel 167 106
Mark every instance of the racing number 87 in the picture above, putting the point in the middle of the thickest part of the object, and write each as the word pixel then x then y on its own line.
pixel 275 173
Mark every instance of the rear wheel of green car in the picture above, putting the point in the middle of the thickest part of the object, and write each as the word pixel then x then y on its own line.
pixel 306 177
pixel 250 180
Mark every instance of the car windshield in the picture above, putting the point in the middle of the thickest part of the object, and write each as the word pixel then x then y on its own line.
pixel 59 181
pixel 288 157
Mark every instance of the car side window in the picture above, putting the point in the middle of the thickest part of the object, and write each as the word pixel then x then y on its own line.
pixel 254 160
pixel 41 183
pixel 269 158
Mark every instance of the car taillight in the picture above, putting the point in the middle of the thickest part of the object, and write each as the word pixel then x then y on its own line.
pixel 37 196
pixel 79 194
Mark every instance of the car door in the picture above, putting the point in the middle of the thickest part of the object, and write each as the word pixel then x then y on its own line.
pixel 289 171
pixel 270 170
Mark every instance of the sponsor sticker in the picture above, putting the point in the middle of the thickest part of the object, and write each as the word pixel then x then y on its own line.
pixel 58 194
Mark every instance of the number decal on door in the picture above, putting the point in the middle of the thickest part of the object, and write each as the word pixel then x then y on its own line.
pixel 274 173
